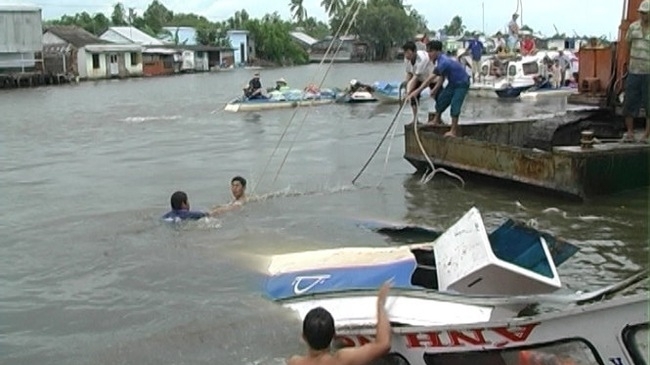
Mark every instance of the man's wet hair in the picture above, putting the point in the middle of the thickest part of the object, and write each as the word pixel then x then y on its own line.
pixel 409 46
pixel 318 328
pixel 240 179
pixel 434 46
pixel 177 200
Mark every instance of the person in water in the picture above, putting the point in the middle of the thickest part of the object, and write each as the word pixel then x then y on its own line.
pixel 238 190
pixel 181 209
pixel 254 90
pixel 355 86
pixel 318 331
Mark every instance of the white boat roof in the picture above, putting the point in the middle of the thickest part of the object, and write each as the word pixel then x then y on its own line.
pixel 338 258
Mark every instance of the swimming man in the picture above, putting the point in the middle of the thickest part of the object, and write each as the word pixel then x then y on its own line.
pixel 181 209
pixel 318 331
pixel 238 190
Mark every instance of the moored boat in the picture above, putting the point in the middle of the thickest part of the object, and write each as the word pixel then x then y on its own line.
pixel 550 153
pixel 359 97
pixel 289 99
pixel 388 92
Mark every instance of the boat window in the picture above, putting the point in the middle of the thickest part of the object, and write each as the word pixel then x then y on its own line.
pixel 425 274
pixel 636 342
pixel 512 70
pixel 530 68
pixel 573 352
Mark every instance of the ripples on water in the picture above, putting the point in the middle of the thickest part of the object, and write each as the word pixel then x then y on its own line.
pixel 90 275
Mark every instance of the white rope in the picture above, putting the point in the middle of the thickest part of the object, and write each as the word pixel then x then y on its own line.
pixel 322 81
pixel 284 132
pixel 426 177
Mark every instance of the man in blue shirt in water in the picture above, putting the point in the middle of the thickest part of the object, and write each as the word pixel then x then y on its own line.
pixel 181 209
pixel 457 87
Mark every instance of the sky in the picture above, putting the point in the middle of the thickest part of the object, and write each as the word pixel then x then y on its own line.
pixel 568 16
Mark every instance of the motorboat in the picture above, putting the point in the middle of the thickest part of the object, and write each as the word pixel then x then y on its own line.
pixel 462 298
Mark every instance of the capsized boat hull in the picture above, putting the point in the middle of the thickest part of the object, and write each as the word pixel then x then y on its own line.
pixel 615 331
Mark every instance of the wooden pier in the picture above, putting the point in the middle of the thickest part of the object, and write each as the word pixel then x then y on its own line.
pixel 32 79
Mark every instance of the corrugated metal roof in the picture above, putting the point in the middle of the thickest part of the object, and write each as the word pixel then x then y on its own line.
pixel 76 36
pixel 17 7
pixel 100 48
pixel 135 35
pixel 160 50
pixel 305 38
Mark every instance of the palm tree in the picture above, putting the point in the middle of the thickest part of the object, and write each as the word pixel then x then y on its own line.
pixel 332 7
pixel 298 10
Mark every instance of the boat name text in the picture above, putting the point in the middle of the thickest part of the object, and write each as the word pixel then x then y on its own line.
pixel 480 337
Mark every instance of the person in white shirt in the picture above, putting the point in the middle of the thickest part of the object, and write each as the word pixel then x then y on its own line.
pixel 513 33
pixel 419 69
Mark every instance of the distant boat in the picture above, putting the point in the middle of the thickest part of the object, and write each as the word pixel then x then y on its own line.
pixel 289 99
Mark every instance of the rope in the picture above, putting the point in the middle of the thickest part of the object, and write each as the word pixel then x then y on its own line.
pixel 284 132
pixel 322 81
pixel 383 138
pixel 428 176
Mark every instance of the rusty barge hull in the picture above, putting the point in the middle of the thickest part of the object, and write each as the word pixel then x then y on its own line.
pixel 511 151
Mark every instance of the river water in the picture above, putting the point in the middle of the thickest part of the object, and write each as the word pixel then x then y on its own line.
pixel 90 275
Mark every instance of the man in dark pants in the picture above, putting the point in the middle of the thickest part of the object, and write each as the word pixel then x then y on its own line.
pixel 638 77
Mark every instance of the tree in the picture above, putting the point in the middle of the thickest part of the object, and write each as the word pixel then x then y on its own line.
pixel 385 24
pixel 118 17
pixel 333 7
pixel 314 28
pixel 156 16
pixel 419 21
pixel 298 11
pixel 455 27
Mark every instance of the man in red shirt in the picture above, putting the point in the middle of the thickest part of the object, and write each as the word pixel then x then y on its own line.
pixel 528 46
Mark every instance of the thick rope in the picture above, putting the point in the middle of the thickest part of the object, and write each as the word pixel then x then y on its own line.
pixel 286 128
pixel 322 81
pixel 426 177
pixel 429 173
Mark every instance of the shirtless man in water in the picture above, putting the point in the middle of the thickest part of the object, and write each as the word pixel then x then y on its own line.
pixel 238 190
pixel 318 332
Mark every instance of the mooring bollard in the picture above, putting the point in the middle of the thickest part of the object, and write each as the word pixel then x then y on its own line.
pixel 587 139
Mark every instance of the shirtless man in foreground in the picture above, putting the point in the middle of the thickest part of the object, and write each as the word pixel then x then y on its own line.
pixel 318 332
pixel 238 190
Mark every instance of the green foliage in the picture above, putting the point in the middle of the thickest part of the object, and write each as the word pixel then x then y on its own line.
pixel 455 27
pixel 383 23
pixel 314 28
pixel 96 23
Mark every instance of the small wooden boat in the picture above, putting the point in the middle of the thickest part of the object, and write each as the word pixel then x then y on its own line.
pixel 292 99
pixel 359 97
pixel 458 299
pixel 388 92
